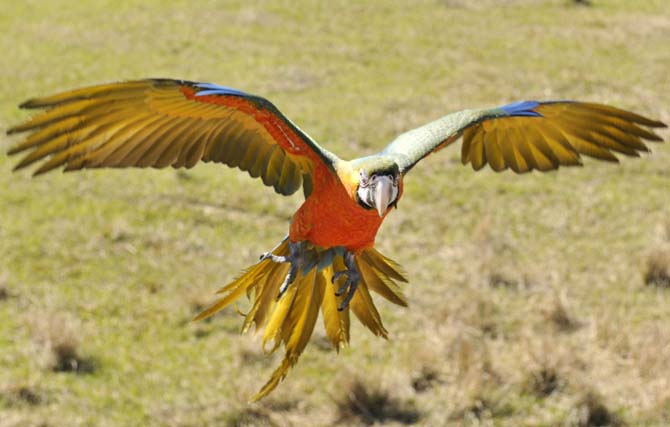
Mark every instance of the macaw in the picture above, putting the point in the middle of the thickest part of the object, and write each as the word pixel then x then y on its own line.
pixel 327 262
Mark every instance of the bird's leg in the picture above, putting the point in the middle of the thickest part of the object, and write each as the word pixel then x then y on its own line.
pixel 351 284
pixel 294 258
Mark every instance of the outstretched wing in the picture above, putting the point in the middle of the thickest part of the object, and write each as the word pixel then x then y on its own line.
pixel 161 122
pixel 529 135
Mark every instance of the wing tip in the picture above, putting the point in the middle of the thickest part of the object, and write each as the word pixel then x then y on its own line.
pixel 44 169
pixel 25 162
pixel 659 124
pixel 28 104
pixel 35 174
pixel 20 128
pixel 14 150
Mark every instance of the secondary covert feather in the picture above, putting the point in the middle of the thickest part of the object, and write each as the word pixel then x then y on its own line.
pixel 327 262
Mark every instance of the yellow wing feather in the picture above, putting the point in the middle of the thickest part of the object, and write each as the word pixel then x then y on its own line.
pixel 160 123
pixel 564 132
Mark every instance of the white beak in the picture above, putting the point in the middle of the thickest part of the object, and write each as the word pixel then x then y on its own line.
pixel 384 193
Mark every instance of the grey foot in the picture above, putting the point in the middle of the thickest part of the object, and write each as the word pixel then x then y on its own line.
pixel 351 283
pixel 294 259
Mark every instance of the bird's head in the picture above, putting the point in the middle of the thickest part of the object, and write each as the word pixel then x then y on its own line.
pixel 378 186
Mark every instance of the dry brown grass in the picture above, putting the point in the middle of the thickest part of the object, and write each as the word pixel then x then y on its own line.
pixel 18 395
pixel 427 378
pixel 369 403
pixel 488 339
pixel 496 257
pixel 198 300
pixel 558 313
pixel 543 381
pixel 60 339
pixel 249 417
pixel 661 411
pixel 248 351
pixel 650 349
pixel 482 313
pixel 4 287
pixel 591 411
pixel 546 367
pixel 483 402
pixel 657 269
pixel 483 394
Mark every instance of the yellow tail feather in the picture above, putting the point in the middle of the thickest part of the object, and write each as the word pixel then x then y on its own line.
pixel 290 321
pixel 365 310
pixel 335 322
pixel 267 292
pixel 236 289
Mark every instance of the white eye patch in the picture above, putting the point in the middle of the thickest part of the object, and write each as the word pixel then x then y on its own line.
pixel 368 189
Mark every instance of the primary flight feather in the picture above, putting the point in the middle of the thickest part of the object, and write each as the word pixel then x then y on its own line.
pixel 327 262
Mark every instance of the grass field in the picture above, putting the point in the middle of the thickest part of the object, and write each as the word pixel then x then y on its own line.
pixel 528 304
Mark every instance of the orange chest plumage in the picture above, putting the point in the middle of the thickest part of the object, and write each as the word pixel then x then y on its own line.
pixel 332 217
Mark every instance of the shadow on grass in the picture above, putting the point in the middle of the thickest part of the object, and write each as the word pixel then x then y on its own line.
pixel 66 359
pixel 590 411
pixel 22 395
pixel 657 269
pixel 371 405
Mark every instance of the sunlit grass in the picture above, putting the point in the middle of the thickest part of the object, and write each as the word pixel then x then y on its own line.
pixel 499 264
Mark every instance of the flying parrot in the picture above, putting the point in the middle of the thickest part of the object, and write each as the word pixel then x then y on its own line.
pixel 327 263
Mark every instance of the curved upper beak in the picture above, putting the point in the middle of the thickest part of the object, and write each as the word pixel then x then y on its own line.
pixel 383 194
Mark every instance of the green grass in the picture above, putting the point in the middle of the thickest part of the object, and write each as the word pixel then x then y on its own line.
pixel 117 262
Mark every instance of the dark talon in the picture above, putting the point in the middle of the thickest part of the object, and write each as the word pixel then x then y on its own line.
pixel 353 278
pixel 290 278
pixel 349 297
pixel 347 284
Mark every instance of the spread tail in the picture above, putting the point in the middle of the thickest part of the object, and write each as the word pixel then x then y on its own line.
pixel 290 320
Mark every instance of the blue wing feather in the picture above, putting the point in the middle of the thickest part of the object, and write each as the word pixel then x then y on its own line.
pixel 212 89
pixel 522 108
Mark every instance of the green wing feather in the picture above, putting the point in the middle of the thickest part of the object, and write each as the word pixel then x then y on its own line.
pixel 542 136
pixel 160 122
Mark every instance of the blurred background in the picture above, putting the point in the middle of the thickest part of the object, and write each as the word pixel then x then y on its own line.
pixel 536 300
